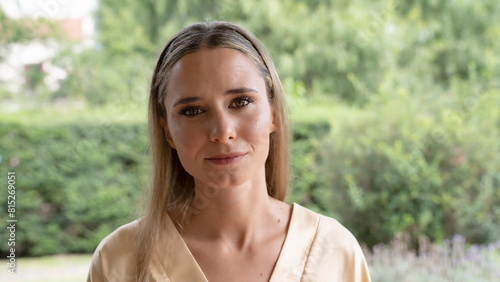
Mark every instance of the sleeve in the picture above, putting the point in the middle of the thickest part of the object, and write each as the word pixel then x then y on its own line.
pixel 95 272
pixel 359 266
pixel 335 255
pixel 113 259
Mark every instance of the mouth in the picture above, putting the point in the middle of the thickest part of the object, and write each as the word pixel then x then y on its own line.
pixel 224 159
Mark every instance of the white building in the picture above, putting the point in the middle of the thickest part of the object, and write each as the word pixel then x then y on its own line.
pixel 75 20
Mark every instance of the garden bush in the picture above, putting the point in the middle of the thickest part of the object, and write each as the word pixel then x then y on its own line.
pixel 406 165
pixel 78 179
pixel 76 182
pixel 394 103
pixel 399 164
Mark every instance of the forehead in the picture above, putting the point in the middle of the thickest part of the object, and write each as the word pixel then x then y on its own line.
pixel 207 55
pixel 213 69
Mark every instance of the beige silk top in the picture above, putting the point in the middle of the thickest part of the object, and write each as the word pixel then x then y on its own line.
pixel 316 248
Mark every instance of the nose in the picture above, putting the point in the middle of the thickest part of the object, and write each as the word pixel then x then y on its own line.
pixel 221 128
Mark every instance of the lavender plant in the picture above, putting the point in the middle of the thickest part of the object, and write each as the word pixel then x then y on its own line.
pixel 453 260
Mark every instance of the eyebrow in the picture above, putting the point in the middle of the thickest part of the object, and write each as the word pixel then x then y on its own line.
pixel 240 90
pixel 187 100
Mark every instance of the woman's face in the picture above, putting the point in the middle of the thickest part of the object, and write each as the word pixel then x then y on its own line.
pixel 219 117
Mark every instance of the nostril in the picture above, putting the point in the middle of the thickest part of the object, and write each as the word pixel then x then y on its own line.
pixel 221 127
pixel 222 134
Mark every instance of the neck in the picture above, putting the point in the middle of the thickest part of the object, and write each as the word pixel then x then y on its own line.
pixel 233 214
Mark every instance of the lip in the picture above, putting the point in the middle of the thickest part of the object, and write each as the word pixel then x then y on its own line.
pixel 225 159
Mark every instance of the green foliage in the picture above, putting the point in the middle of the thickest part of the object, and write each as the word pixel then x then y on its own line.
pixel 399 166
pixel 145 26
pixel 304 162
pixel 91 79
pixel 337 48
pixel 395 109
pixel 24 30
pixel 19 30
pixel 78 179
pixel 75 183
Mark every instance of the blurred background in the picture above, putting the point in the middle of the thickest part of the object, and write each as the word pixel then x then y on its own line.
pixel 395 108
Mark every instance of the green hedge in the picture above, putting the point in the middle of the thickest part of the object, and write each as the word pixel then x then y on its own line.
pixel 397 165
pixel 76 182
pixel 424 168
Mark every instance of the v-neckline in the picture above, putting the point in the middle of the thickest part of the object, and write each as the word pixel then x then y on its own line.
pixel 174 259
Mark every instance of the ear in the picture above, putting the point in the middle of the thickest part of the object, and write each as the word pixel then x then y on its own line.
pixel 168 137
pixel 273 125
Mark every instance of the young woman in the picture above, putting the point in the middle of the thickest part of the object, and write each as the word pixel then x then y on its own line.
pixel 219 143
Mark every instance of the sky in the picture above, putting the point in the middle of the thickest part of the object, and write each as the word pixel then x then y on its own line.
pixel 55 9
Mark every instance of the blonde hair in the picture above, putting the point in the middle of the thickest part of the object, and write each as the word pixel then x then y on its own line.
pixel 172 188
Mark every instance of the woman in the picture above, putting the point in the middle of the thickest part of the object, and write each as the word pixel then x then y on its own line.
pixel 219 144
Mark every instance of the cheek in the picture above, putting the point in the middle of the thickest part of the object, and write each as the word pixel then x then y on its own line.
pixel 190 140
pixel 257 128
pixel 187 145
pixel 186 139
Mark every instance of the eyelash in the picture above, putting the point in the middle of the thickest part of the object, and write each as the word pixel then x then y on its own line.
pixel 244 98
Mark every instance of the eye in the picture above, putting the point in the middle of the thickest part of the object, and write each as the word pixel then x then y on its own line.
pixel 191 111
pixel 241 102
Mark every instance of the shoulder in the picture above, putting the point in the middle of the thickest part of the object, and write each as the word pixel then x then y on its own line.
pixel 328 228
pixel 338 234
pixel 121 240
pixel 114 256
pixel 334 253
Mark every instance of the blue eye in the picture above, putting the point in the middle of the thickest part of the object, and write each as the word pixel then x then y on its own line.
pixel 191 111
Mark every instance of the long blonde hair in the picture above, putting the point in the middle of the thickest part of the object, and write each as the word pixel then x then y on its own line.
pixel 171 186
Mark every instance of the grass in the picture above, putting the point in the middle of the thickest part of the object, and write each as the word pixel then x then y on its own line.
pixel 57 268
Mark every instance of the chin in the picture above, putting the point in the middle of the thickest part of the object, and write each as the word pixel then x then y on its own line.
pixel 224 179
